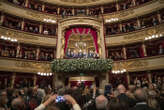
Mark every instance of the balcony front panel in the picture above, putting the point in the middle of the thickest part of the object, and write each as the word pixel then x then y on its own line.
pixel 24 12
pixel 140 64
pixel 133 37
pixel 16 65
pixel 136 11
pixel 26 37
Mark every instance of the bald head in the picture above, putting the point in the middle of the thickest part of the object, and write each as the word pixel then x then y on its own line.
pixel 18 104
pixel 141 95
pixel 121 88
pixel 101 102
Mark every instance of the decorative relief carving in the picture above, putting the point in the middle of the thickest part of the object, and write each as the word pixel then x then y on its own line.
pixel 144 33
pixel 42 67
pixel 39 16
pixel 16 34
pixel 126 13
pixel 137 64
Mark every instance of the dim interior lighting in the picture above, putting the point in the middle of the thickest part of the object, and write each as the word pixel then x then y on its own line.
pixel 49 20
pixel 9 39
pixel 111 20
pixel 44 74
pixel 153 36
pixel 118 71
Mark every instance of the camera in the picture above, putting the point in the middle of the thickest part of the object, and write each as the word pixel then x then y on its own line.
pixel 60 99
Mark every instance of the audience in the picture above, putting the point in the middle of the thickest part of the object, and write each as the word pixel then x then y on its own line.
pixel 65 98
pixel 110 8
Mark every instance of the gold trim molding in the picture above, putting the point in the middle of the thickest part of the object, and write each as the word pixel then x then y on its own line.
pixel 19 65
pixel 133 37
pixel 136 11
pixel 26 37
pixel 140 64
pixel 25 12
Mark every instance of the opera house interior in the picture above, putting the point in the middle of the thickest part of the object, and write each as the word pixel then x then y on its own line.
pixel 81 54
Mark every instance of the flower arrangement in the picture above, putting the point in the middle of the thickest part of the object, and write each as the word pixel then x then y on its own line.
pixel 81 65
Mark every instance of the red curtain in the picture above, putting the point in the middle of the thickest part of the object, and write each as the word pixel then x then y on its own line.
pixel 81 31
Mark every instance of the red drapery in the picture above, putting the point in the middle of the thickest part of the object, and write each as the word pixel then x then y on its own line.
pixel 81 31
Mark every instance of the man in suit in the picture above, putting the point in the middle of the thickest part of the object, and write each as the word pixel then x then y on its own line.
pixel 141 98
pixel 123 98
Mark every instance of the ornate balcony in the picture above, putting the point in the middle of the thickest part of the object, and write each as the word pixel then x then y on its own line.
pixel 18 65
pixel 25 12
pixel 26 37
pixel 133 37
pixel 140 64
pixel 136 11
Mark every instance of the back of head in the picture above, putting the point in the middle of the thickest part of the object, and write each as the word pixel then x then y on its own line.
pixel 140 95
pixel 18 104
pixel 101 102
pixel 132 88
pixel 115 105
pixel 153 103
pixel 52 107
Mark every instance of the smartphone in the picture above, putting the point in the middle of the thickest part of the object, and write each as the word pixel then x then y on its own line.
pixel 60 99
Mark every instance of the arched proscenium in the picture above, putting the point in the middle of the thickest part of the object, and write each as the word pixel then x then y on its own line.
pixel 95 23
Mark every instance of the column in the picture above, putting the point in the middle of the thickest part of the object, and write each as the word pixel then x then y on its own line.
pixel 13 80
pixel 107 77
pixel 159 17
pixel 124 53
pixel 54 80
pixel 87 11
pixel 43 7
pixel 40 28
pixel 102 9
pixel 5 83
pixel 18 53
pixel 54 53
pixel 37 53
pixel 73 11
pixel 120 27
pixel 144 50
pixel 26 3
pixel 117 7
pixel 22 25
pixel 128 78
pixel 2 19
pixel 149 77
pixel 138 23
pixel 58 11
pixel 34 80
pixel 134 2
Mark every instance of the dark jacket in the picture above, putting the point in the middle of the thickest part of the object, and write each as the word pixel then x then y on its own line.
pixel 141 107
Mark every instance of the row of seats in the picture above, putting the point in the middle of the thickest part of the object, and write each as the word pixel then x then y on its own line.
pixel 69 11
pixel 135 24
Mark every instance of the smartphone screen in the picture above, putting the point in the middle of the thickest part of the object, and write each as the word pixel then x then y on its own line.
pixel 60 99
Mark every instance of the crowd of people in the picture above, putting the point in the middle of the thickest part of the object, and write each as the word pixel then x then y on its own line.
pixel 93 11
pixel 28 25
pixel 74 54
pixel 25 52
pixel 152 48
pixel 81 97
pixel 132 25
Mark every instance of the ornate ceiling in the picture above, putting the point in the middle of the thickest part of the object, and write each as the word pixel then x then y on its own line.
pixel 78 2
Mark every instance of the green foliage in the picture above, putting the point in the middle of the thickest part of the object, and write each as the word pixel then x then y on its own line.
pixel 81 65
